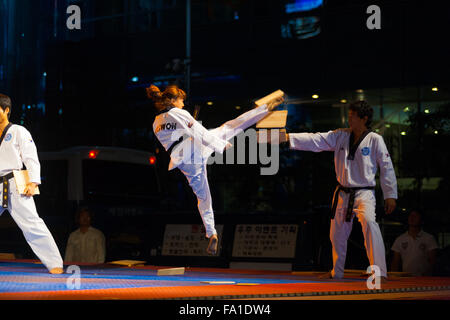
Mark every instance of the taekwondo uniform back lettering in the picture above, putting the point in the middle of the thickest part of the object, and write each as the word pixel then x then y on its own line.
pixel 177 123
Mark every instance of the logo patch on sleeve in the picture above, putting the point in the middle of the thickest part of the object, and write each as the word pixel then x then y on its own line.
pixel 8 137
pixel 365 151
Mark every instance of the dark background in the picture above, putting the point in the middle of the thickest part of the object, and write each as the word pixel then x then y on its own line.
pixel 76 87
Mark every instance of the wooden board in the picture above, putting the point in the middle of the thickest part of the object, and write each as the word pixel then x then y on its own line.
pixel 350 272
pixel 7 256
pixel 307 273
pixel 171 271
pixel 128 263
pixel 218 282
pixel 274 95
pixel 364 273
pixel 275 119
pixel 22 178
pixel 399 274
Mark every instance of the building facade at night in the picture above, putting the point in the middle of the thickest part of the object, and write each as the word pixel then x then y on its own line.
pixel 86 88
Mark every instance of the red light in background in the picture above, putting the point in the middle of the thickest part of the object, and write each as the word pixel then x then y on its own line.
pixel 152 160
pixel 93 154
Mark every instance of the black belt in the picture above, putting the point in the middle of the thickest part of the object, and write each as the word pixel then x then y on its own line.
pixel 174 144
pixel 5 181
pixel 351 200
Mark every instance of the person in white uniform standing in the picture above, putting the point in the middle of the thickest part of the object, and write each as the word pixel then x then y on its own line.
pixel 358 153
pixel 16 149
pixel 189 144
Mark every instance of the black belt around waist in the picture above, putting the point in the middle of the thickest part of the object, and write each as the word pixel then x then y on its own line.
pixel 5 182
pixel 174 145
pixel 351 200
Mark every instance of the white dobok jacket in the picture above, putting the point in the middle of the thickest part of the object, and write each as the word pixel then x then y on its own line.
pixel 359 172
pixel 18 148
pixel 175 123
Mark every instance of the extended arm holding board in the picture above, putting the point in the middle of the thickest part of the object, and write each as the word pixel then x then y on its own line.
pixel 274 122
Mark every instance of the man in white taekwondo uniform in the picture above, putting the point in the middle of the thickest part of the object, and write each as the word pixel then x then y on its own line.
pixel 357 154
pixel 189 145
pixel 17 148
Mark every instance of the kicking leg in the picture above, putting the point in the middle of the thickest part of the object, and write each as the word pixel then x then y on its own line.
pixel 232 128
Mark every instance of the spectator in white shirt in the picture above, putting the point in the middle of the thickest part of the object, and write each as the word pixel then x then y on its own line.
pixel 86 244
pixel 415 250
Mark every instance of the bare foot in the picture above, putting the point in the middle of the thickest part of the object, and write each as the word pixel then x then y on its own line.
pixel 274 103
pixel 326 276
pixel 56 271
pixel 212 246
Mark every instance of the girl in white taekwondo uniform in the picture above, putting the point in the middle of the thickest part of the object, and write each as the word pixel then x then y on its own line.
pixel 357 154
pixel 17 148
pixel 189 144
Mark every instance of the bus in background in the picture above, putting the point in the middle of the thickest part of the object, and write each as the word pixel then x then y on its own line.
pixel 120 186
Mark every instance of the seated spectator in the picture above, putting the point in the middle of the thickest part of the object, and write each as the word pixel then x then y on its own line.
pixel 86 244
pixel 415 250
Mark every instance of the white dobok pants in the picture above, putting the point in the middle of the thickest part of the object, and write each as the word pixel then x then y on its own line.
pixel 364 210
pixel 23 211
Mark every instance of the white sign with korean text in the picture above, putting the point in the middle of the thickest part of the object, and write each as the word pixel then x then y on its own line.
pixel 265 240
pixel 187 240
